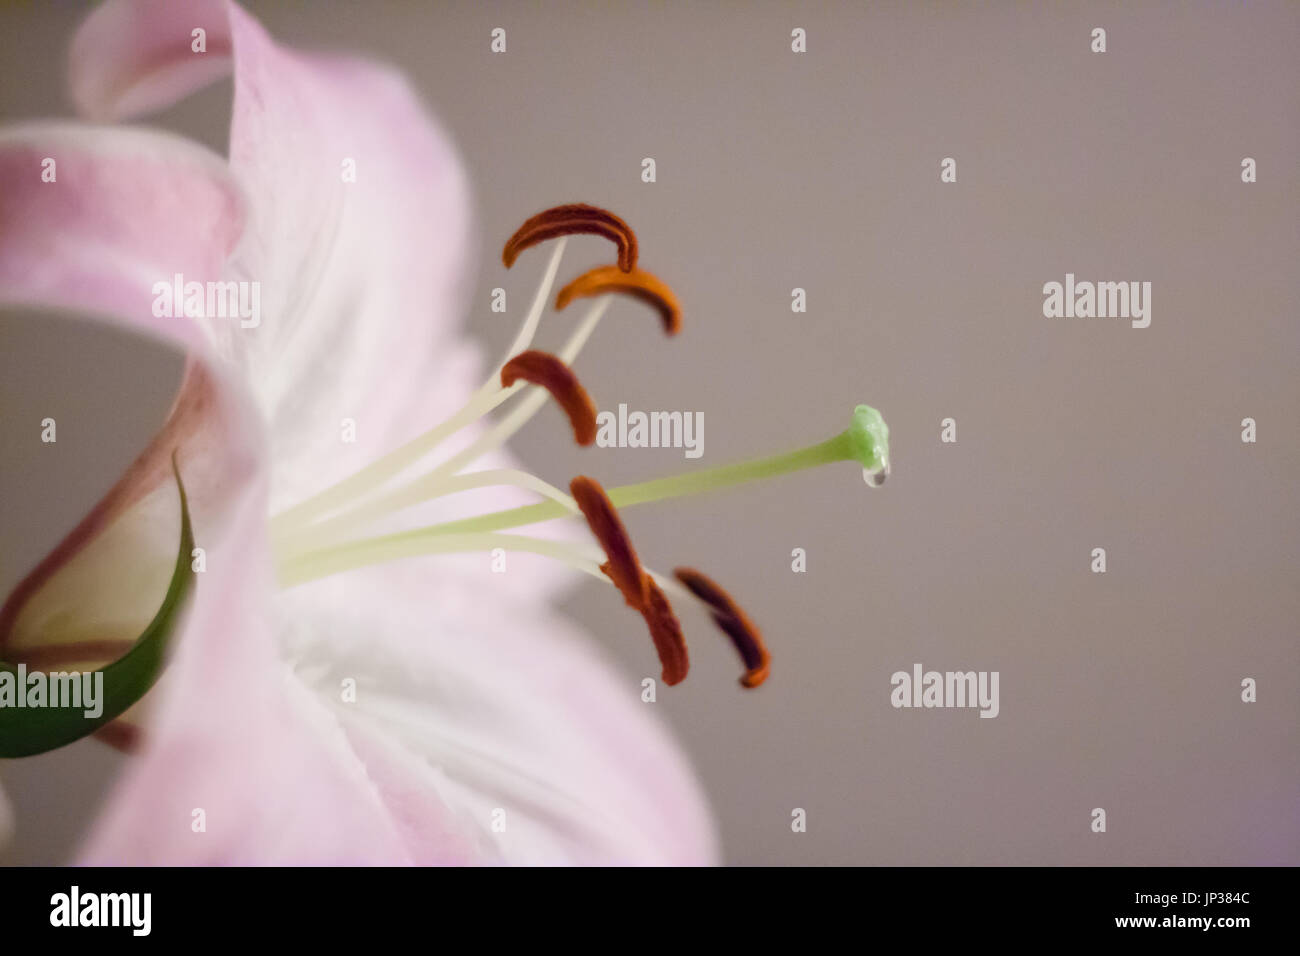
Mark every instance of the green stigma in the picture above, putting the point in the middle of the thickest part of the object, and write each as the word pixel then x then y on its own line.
pixel 869 439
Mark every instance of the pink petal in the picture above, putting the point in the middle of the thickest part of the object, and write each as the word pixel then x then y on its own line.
pixel 127 208
pixel 491 703
pixel 236 737
pixel 465 705
pixel 94 241
pixel 125 62
pixel 362 291
pixel 362 283
pixel 352 327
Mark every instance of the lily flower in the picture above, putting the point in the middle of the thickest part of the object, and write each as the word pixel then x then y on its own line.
pixel 349 681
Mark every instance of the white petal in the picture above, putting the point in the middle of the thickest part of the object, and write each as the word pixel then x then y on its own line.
pixel 488 705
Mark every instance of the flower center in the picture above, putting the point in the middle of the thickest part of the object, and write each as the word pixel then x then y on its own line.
pixel 326 534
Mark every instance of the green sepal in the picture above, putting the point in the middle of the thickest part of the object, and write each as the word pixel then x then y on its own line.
pixel 34 730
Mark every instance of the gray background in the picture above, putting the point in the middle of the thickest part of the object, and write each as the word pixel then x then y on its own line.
pixel 821 170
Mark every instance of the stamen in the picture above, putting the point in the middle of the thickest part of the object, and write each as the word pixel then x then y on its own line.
pixel 583 332
pixel 865 441
pixel 637 586
pixel 495 477
pixel 544 369
pixel 637 283
pixel 379 472
pixel 309 548
pixel 572 219
pixel 623 566
pixel 360 554
pixel 666 632
pixel 300 541
pixel 734 622
pixel 524 338
pixel 665 629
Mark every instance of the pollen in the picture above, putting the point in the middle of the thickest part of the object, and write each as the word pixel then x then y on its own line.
pixel 734 623
pixel 666 632
pixel 636 282
pixel 548 371
pixel 573 219
pixel 638 588
pixel 623 566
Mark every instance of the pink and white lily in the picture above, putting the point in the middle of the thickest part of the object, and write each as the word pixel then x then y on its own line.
pixel 475 704
pixel 327 702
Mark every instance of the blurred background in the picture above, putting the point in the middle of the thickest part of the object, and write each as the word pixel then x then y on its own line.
pixel 821 170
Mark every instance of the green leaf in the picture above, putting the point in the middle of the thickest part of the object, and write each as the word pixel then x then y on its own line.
pixel 34 730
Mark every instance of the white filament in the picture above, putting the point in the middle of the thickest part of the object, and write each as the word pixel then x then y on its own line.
pixel 288 523
pixel 444 478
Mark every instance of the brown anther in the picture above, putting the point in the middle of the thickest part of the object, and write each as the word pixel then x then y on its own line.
pixel 666 632
pixel 636 283
pixel 572 219
pixel 623 566
pixel 548 371
pixel 733 622
pixel 639 590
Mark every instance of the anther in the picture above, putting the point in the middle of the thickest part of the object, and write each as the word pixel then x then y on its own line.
pixel 666 632
pixel 638 588
pixel 623 566
pixel 548 371
pixel 636 283
pixel 734 623
pixel 572 219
